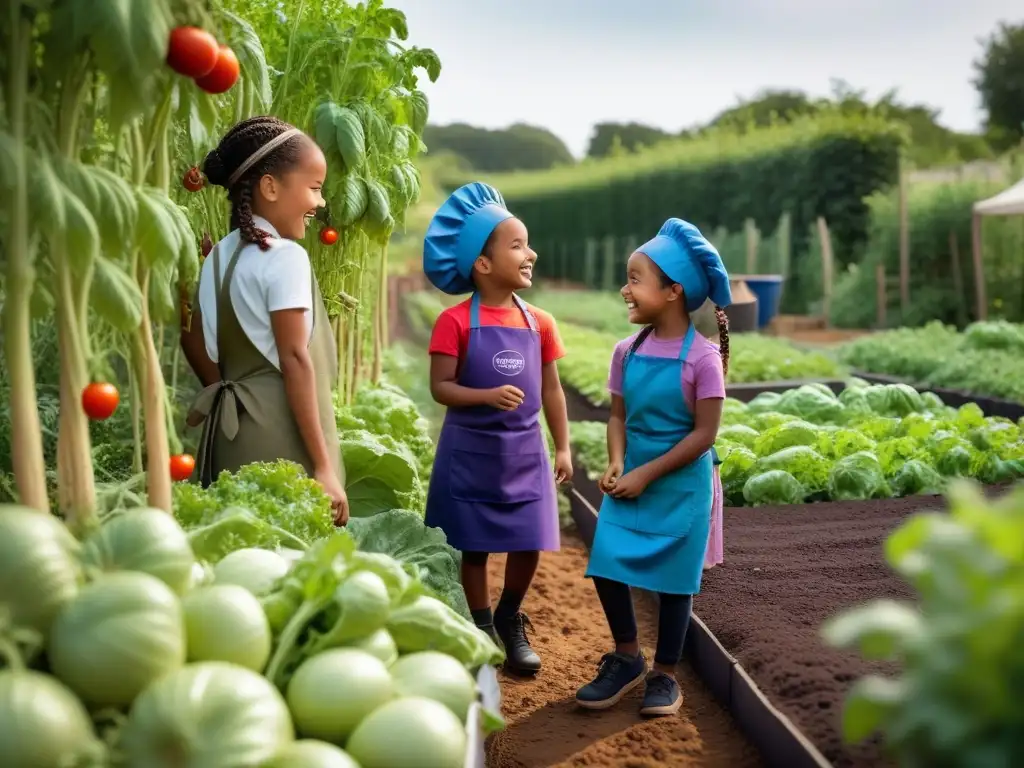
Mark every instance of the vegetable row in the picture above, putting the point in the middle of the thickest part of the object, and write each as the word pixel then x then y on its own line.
pixel 142 646
pixel 871 441
pixel 987 358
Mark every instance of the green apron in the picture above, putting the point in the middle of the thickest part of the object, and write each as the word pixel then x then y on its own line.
pixel 246 416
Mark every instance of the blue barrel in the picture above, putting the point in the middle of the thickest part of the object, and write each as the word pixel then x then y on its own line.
pixel 768 289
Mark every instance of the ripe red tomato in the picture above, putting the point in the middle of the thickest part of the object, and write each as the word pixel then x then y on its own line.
pixel 193 180
pixel 182 466
pixel 224 73
pixel 328 235
pixel 192 52
pixel 99 400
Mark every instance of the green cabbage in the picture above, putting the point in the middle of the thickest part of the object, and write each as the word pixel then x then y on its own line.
pixel 121 632
pixel 916 477
pixel 816 404
pixel 740 434
pixel 209 714
pixel 785 436
pixel 772 488
pixel 809 467
pixel 857 476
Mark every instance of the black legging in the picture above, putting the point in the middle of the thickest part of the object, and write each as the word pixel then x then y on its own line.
pixel 673 618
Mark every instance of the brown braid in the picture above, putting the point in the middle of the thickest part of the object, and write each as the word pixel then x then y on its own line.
pixel 237 146
pixel 723 337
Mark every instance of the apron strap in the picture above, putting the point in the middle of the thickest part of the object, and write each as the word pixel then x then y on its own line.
pixel 684 348
pixel 474 312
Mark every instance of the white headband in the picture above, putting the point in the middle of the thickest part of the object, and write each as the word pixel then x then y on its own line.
pixel 260 153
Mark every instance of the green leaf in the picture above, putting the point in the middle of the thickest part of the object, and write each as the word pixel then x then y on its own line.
pixel 162 293
pixel 128 40
pixel 883 629
pixel 82 238
pixel 377 478
pixel 870 703
pixel 158 235
pixel 46 197
pixel 395 19
pixel 252 59
pixel 351 138
pixel 116 296
pixel 324 121
pixel 418 109
pixel 108 197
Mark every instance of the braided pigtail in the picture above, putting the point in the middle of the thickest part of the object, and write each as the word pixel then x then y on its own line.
pixel 241 219
pixel 235 149
pixel 723 337
pixel 641 337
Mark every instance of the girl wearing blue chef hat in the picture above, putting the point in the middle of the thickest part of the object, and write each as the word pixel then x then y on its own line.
pixel 493 366
pixel 668 385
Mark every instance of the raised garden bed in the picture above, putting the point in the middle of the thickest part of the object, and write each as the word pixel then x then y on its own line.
pixel 990 406
pixel 546 729
pixel 757 642
pixel 779 742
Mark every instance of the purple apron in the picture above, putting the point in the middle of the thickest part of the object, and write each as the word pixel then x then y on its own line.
pixel 492 488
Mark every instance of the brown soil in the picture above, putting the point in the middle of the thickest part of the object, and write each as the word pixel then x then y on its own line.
pixel 786 570
pixel 546 729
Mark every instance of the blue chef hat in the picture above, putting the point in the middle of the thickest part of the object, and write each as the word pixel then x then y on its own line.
pixel 687 258
pixel 457 234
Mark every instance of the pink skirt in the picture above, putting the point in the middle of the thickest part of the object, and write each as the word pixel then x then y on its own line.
pixel 715 554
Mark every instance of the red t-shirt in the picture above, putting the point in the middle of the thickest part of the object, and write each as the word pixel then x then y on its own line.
pixel 451 331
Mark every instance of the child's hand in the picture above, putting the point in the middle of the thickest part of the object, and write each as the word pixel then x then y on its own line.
pixel 630 485
pixel 610 476
pixel 563 466
pixel 506 398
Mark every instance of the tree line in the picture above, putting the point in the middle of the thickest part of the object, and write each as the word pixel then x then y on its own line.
pixel 999 80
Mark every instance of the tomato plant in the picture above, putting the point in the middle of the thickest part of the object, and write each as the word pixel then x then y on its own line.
pixel 100 400
pixel 193 180
pixel 192 52
pixel 181 466
pixel 328 235
pixel 224 74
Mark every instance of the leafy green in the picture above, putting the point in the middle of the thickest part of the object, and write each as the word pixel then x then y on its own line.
pixel 986 358
pixel 956 701
pixel 278 493
pixel 402 535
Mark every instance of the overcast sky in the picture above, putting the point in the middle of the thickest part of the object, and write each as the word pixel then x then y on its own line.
pixel 568 64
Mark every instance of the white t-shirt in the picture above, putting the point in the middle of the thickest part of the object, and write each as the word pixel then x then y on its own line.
pixel 264 282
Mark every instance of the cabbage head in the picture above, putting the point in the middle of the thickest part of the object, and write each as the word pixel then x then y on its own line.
pixel 773 488
pixel 809 467
pixel 857 476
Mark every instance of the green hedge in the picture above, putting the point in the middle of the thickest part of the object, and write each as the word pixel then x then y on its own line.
pixel 934 211
pixel 810 168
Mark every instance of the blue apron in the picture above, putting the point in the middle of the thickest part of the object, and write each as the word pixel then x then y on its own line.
pixel 656 541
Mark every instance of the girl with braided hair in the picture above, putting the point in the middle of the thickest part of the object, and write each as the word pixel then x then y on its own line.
pixel 668 386
pixel 259 338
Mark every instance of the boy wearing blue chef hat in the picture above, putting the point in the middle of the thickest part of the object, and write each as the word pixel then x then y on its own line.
pixel 493 365
pixel 667 384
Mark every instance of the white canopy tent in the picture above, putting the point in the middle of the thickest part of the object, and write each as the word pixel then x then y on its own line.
pixel 1009 202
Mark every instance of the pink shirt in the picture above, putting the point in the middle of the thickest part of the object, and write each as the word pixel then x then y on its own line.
pixel 702 376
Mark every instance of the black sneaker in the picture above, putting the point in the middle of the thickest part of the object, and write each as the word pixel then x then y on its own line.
pixel 661 696
pixel 519 656
pixel 617 675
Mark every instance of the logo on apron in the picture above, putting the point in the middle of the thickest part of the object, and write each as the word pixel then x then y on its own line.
pixel 508 362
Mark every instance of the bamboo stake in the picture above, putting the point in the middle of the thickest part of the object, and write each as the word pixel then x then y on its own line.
pixel 881 296
pixel 826 270
pixel 904 245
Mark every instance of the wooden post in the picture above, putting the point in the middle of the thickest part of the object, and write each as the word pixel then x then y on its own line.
pixel 609 264
pixel 958 279
pixel 753 237
pixel 784 243
pixel 826 270
pixel 981 303
pixel 881 296
pixel 590 263
pixel 904 245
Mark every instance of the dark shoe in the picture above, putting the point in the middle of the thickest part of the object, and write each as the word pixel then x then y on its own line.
pixel 661 696
pixel 617 675
pixel 519 656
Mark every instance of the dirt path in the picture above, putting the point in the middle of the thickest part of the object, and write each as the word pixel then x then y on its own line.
pixel 545 728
